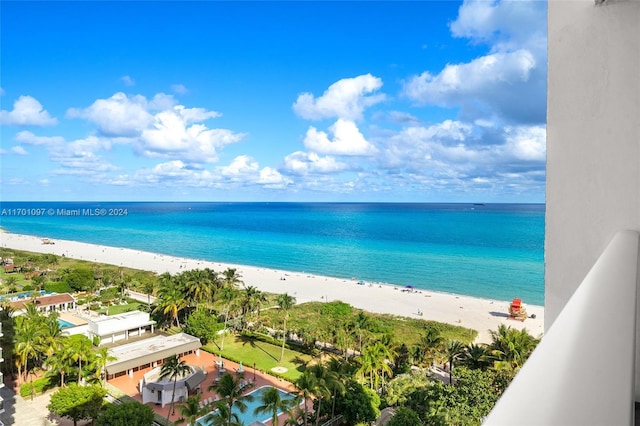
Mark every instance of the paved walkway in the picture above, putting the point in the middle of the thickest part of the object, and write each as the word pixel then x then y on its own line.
pixel 29 412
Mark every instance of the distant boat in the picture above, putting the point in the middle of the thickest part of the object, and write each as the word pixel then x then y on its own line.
pixel 478 204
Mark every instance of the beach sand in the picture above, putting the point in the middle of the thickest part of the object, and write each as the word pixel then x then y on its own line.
pixel 475 313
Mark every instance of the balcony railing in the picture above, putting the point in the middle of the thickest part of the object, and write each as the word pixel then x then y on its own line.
pixel 583 372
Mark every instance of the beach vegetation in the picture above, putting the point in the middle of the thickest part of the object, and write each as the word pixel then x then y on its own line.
pixel 203 325
pixel 405 417
pixel 357 403
pixel 125 414
pixel 77 402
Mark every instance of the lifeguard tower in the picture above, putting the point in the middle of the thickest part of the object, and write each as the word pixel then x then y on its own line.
pixel 517 310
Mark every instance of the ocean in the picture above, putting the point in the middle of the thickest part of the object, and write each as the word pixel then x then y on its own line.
pixel 493 251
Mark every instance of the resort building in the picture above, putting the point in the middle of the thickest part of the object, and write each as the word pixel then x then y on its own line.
pixel 154 389
pixel 110 329
pixel 46 303
pixel 586 368
pixel 150 352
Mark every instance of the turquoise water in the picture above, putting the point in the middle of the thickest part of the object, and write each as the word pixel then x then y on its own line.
pixel 248 417
pixel 64 324
pixel 492 251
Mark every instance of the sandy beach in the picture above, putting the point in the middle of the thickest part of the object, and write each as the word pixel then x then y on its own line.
pixel 479 314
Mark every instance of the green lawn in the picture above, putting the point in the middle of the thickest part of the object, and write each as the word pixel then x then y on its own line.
pixel 120 309
pixel 264 355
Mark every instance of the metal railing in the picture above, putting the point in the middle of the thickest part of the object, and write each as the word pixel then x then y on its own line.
pixel 584 372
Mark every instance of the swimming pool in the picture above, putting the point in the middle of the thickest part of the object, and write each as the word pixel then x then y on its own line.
pixel 248 417
pixel 65 324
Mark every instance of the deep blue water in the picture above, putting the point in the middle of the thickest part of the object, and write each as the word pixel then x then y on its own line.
pixel 493 251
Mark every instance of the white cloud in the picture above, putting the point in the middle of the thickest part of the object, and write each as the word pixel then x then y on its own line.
pixel 272 178
pixel 2 92
pixel 179 88
pixel 346 98
pixel 19 150
pixel 506 83
pixel 347 140
pixel 240 167
pixel 526 143
pixel 158 127
pixel 119 115
pixel 127 80
pixel 460 157
pixel 27 111
pixel 29 138
pixel 302 163
pixel 81 156
pixel 500 22
pixel 171 136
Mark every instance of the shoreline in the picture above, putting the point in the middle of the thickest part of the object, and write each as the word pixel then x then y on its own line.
pixel 467 311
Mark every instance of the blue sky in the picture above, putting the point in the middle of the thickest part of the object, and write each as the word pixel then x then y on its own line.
pixel 420 101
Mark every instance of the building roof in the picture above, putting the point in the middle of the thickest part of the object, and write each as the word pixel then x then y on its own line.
pixel 48 300
pixel 104 326
pixel 146 351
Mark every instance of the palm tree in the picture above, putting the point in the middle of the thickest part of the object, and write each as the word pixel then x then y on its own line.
pixel 510 348
pixel 272 403
pixel 306 385
pixel 190 409
pixel 252 300
pixel 172 298
pixel 81 349
pixel 231 390
pixel 341 369
pixel 360 325
pixel 198 286
pixel 100 359
pixel 172 369
pixel 231 277
pixel 222 416
pixel 26 347
pixel 455 351
pixel 475 356
pixel 227 295
pixel 61 361
pixel 148 288
pixel 429 345
pixel 325 382
pixel 285 302
pixel 374 362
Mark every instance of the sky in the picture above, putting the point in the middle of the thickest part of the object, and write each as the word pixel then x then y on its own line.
pixel 417 101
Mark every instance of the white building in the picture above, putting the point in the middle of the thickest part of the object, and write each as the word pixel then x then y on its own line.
pixel 119 327
pixel 149 352
pixel 585 370
pixel 154 389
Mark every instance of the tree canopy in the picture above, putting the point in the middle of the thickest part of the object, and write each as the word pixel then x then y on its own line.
pixel 77 402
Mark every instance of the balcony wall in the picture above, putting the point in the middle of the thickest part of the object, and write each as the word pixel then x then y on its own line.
pixel 593 138
pixel 584 371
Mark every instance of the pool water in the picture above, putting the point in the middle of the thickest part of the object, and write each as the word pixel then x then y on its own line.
pixel 65 324
pixel 248 417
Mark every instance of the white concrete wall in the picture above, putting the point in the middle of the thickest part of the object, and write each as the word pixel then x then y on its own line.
pixel 118 323
pixel 593 137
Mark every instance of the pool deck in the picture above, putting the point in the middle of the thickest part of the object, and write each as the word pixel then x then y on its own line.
pixel 73 317
pixel 129 385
